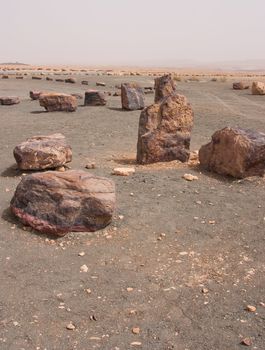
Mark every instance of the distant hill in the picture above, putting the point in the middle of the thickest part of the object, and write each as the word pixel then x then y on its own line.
pixel 13 64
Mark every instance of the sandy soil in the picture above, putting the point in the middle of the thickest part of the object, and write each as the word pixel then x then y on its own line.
pixel 181 260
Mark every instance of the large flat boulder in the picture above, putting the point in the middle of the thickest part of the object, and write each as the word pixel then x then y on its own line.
pixel 240 85
pixel 164 131
pixel 95 98
pixel 58 102
pixel 132 96
pixel 258 88
pixel 9 100
pixel 236 152
pixel 164 86
pixel 57 203
pixel 43 152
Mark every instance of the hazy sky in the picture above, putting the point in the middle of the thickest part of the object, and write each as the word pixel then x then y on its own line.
pixel 140 32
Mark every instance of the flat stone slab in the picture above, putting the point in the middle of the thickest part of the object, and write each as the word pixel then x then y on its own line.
pixel 9 100
pixel 43 152
pixel 57 203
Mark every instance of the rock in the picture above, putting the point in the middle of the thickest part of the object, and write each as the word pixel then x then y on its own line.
pixel 236 152
pixel 34 95
pixel 5 77
pixel 91 165
pixel 57 203
pixel 77 95
pixel 70 326
pixel 132 96
pixel 59 80
pixel 240 86
pixel 123 171
pixel 95 98
pixel 36 77
pixel 190 177
pixel 70 80
pixel 43 152
pixel 148 92
pixel 84 268
pixel 251 308
pixel 258 88
pixel 9 100
pixel 49 79
pixel 136 330
pixel 84 82
pixel 164 86
pixel 164 131
pixel 100 83
pixel 246 342
pixel 117 93
pixel 58 102
pixel 19 77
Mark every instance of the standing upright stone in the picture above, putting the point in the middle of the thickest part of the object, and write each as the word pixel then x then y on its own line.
pixel 132 96
pixel 164 86
pixel 95 98
pixel 164 131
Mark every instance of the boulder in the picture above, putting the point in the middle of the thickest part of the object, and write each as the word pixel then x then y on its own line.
pixel 234 151
pixel 5 77
pixel 164 86
pixel 60 202
pixel 43 152
pixel 9 100
pixel 36 77
pixel 59 80
pixel 258 88
pixel 58 102
pixel 132 96
pixel 100 83
pixel 19 77
pixel 240 86
pixel 84 82
pixel 49 79
pixel 95 98
pixel 70 80
pixel 34 95
pixel 164 131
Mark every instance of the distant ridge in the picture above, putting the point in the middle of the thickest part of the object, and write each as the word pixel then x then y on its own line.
pixel 13 64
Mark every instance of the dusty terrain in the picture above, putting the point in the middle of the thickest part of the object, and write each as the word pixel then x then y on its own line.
pixel 181 260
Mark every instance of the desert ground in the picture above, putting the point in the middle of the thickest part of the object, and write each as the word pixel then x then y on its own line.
pixel 181 260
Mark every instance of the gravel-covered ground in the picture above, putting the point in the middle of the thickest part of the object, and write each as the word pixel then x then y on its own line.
pixel 181 261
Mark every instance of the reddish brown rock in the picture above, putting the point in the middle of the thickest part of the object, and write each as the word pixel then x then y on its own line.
pixel 59 80
pixel 240 86
pixel 57 203
pixel 19 77
pixel 34 95
pixel 70 80
pixel 132 96
pixel 43 152
pixel 164 86
pixel 36 77
pixel 236 152
pixel 9 100
pixel 100 83
pixel 84 82
pixel 164 131
pixel 58 102
pixel 5 77
pixel 95 98
pixel 258 88
pixel 49 79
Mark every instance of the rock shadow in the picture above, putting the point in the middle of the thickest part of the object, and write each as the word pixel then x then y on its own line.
pixel 12 171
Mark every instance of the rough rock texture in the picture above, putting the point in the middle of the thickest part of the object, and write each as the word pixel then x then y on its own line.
pixel 258 88
pixel 240 86
pixel 236 152
pixel 34 95
pixel 95 98
pixel 9 100
pixel 164 86
pixel 55 202
pixel 43 152
pixel 164 131
pixel 132 96
pixel 58 102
